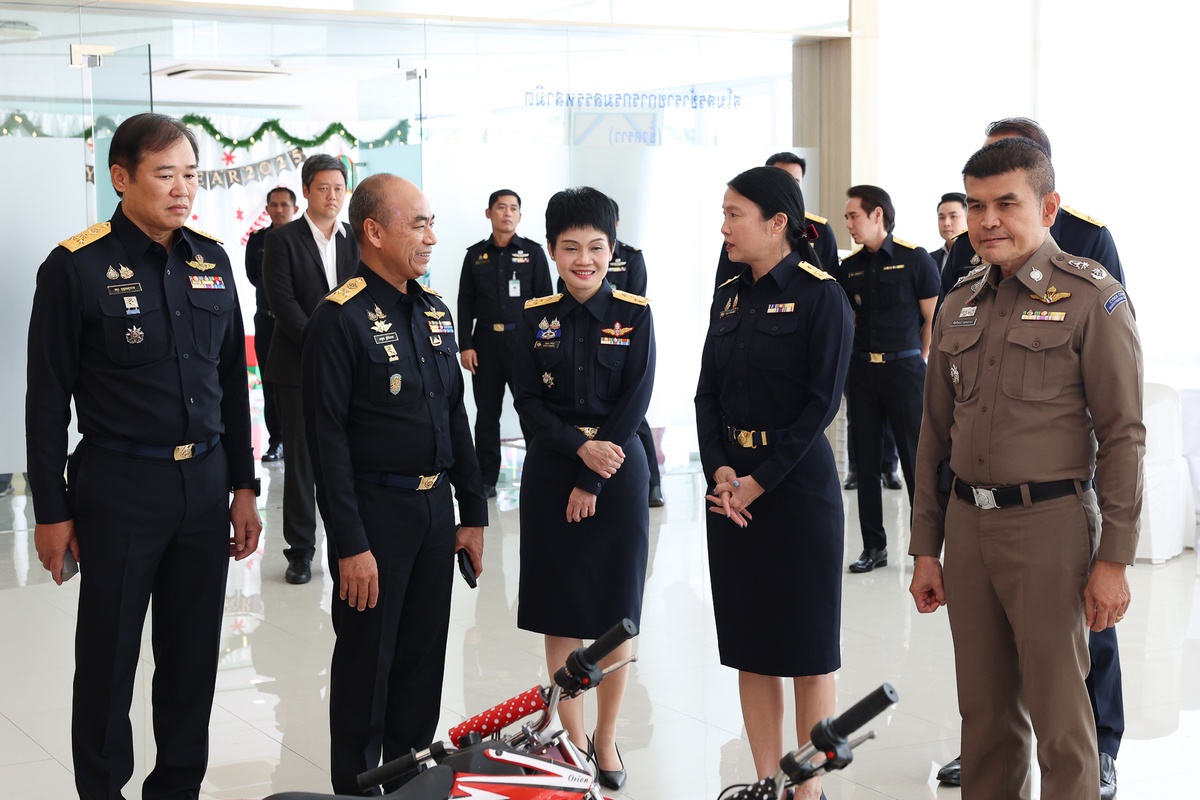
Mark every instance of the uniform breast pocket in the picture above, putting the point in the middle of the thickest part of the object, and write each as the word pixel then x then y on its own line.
pixel 393 383
pixel 774 346
pixel 961 349
pixel 894 287
pixel 556 380
pixel 445 355
pixel 721 336
pixel 1036 361
pixel 133 339
pixel 610 366
pixel 212 314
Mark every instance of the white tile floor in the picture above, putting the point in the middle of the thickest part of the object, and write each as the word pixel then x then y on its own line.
pixel 681 732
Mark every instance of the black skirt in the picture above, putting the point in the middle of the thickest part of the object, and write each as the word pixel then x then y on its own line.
pixel 578 579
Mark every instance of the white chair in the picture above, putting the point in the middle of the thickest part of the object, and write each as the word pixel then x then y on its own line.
pixel 1168 503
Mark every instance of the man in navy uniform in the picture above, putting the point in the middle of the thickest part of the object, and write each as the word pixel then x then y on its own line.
pixel 281 207
pixel 1079 235
pixel 383 400
pixel 136 319
pixel 893 288
pixel 499 274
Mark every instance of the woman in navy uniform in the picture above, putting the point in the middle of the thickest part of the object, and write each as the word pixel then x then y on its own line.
pixel 584 373
pixel 771 378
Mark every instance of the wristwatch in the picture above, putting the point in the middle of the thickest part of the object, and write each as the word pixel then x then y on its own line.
pixel 255 484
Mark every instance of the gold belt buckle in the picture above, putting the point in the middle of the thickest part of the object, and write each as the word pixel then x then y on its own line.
pixel 427 483
pixel 498 327
pixel 876 358
pixel 185 451
pixel 589 432
pixel 746 439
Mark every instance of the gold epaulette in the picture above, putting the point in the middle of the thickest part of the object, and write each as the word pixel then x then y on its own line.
pixel 963 232
pixel 854 252
pixel 1083 216
pixel 205 234
pixel 544 301
pixel 903 243
pixel 629 297
pixel 85 238
pixel 815 218
pixel 347 290
pixel 731 280
pixel 431 290
pixel 815 272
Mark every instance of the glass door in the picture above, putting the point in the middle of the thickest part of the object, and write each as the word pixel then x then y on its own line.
pixel 120 86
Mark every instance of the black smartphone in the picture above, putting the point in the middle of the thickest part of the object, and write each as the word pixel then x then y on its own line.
pixel 467 569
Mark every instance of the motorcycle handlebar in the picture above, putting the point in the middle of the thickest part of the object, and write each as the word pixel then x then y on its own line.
pixel 499 717
pixel 611 640
pixel 865 710
pixel 399 767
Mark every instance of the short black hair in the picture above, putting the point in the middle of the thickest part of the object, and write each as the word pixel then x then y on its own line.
pixel 787 157
pixel 496 195
pixel 1021 126
pixel 143 134
pixel 871 198
pixel 291 194
pixel 774 192
pixel 369 201
pixel 1011 154
pixel 581 207
pixel 953 197
pixel 321 163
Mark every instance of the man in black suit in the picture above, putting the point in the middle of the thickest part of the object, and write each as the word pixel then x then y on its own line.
pixel 303 261
pixel 281 208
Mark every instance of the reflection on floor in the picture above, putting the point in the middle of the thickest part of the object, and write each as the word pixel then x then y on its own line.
pixel 681 732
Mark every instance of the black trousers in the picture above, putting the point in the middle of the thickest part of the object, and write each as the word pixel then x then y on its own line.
pixel 385 682
pixel 646 437
pixel 299 484
pixel 1104 690
pixel 493 373
pixel 892 391
pixel 150 531
pixel 264 329
pixel 890 461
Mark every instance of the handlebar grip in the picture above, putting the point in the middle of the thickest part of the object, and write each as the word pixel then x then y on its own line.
pixel 398 767
pixel 611 640
pixel 865 710
pixel 501 716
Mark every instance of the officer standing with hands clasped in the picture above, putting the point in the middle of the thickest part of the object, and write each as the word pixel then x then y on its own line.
pixel 498 275
pixel 136 319
pixel 383 401
pixel 1034 387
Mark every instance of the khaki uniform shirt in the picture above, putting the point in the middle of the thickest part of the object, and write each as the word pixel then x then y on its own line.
pixel 1034 378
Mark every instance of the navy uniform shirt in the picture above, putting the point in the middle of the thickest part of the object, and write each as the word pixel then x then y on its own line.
pixel 383 393
pixel 825 246
pixel 775 357
pixel 589 365
pixel 148 342
pixel 255 246
pixel 483 293
pixel 884 289
pixel 1075 233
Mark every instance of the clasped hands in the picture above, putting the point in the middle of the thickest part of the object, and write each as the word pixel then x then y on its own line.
pixel 604 459
pixel 732 495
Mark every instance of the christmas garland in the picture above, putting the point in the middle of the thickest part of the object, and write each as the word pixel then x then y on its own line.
pixel 17 120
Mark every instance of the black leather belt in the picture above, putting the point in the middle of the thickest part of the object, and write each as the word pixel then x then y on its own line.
pixel 418 483
pixel 753 439
pixel 179 452
pixel 1009 496
pixel 880 358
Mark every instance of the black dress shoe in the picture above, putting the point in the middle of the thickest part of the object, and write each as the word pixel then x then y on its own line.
pixel 490 491
pixel 274 453
pixel 298 571
pixel 869 560
pixel 952 772
pixel 1108 777
pixel 656 496
pixel 851 482
pixel 892 480
pixel 609 778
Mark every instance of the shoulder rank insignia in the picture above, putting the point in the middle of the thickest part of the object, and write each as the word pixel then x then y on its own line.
pixel 205 234
pixel 430 290
pixel 816 273
pixel 814 218
pixel 629 297
pixel 92 234
pixel 1083 216
pixel 347 290
pixel 544 301
pixel 1052 295
pixel 854 252
pixel 731 280
pixel 903 243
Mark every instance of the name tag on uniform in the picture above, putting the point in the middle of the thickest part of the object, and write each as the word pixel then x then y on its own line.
pixel 124 288
pixel 855 274
pixel 781 308
pixel 962 323
pixel 546 345
pixel 384 338
pixel 206 281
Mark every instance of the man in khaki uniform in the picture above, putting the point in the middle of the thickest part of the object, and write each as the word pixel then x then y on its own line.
pixel 1034 386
